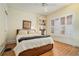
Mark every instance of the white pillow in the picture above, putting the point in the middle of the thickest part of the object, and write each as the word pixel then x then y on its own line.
pixel 23 32
pixel 32 31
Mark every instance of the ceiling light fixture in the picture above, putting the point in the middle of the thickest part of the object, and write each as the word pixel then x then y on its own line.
pixel 45 7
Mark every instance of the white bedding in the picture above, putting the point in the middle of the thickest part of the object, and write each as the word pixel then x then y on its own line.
pixel 29 44
pixel 28 35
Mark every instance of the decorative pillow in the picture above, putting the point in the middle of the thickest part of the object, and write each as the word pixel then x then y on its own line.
pixel 32 31
pixel 23 32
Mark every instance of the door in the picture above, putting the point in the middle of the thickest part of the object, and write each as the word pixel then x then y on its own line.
pixel 3 19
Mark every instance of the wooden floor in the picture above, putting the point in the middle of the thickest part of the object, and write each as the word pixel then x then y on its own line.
pixel 60 49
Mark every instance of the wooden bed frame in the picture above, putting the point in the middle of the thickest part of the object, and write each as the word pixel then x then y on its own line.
pixel 37 51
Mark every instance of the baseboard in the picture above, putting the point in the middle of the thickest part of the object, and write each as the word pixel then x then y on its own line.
pixel 11 42
pixel 70 41
pixel 67 44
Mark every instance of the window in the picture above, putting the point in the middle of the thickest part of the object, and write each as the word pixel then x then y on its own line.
pixel 63 30
pixel 62 25
pixel 69 19
pixel 52 22
pixel 62 19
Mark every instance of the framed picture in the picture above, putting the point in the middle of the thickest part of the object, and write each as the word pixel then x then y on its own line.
pixel 26 24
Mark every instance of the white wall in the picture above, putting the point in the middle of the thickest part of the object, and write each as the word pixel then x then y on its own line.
pixel 15 18
pixel 3 26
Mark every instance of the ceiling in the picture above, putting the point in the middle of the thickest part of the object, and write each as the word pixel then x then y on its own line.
pixel 37 7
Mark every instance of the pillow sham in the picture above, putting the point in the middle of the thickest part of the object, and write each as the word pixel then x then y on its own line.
pixel 32 31
pixel 23 32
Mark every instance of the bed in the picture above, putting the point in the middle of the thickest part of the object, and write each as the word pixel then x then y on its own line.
pixel 32 44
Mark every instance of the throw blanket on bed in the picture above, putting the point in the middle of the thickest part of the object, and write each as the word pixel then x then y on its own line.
pixel 33 37
pixel 29 44
pixel 24 36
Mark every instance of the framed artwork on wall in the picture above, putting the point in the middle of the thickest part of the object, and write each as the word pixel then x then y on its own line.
pixel 26 24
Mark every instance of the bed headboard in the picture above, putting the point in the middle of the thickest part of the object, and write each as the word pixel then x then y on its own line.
pixel 17 31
